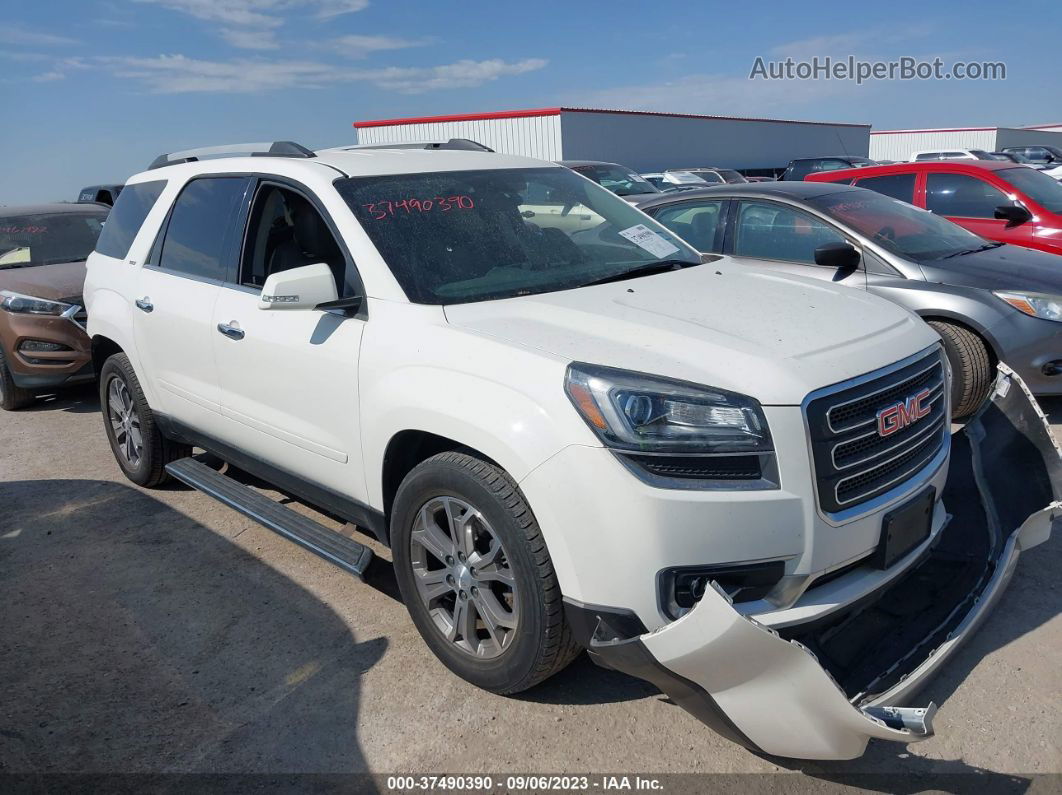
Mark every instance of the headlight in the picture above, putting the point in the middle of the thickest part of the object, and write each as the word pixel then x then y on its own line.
pixel 1041 305
pixel 643 413
pixel 30 305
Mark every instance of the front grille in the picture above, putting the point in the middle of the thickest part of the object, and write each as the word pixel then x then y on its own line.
pixel 853 462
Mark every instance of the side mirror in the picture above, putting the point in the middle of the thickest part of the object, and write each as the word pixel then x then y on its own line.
pixel 843 256
pixel 1013 214
pixel 299 288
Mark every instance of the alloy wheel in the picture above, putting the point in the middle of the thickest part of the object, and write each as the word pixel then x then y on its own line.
pixel 124 422
pixel 463 577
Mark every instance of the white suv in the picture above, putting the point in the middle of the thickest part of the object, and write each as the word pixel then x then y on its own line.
pixel 573 433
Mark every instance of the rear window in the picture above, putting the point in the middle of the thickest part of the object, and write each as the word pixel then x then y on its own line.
pixel 127 216
pixel 45 238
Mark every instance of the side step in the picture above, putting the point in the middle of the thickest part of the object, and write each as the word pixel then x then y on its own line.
pixel 340 550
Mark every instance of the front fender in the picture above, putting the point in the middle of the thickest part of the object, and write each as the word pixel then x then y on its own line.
pixel 513 428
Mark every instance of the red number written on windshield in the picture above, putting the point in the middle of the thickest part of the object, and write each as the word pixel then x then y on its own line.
pixel 382 210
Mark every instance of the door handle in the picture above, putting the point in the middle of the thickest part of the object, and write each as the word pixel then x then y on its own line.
pixel 144 304
pixel 231 330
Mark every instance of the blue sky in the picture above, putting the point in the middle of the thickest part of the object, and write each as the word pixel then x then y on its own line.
pixel 92 90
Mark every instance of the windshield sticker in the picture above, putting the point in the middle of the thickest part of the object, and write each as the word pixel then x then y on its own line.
pixel 383 210
pixel 644 237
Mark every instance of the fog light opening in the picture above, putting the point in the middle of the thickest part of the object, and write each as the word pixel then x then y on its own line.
pixel 683 587
pixel 41 346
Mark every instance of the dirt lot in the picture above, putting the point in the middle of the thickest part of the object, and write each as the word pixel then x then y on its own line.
pixel 157 631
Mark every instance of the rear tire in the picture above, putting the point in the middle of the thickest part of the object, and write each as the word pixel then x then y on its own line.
pixel 12 396
pixel 138 446
pixel 503 573
pixel 971 367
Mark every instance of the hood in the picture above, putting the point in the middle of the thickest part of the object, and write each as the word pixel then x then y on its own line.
pixel 747 329
pixel 55 281
pixel 1001 268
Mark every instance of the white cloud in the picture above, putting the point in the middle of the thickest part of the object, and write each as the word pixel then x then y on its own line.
pixel 258 13
pixel 48 77
pixel 462 74
pixel 334 8
pixel 177 74
pixel 231 12
pixel 17 35
pixel 360 46
pixel 250 39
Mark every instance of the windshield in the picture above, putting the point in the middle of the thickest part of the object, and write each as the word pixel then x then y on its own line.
pixel 1039 187
pixel 44 238
pixel 617 179
pixel 453 237
pixel 897 226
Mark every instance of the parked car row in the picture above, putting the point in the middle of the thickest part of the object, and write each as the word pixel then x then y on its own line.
pixel 660 427
pixel 1043 158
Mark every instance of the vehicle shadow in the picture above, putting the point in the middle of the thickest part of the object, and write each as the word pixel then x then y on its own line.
pixel 1052 407
pixel 81 399
pixel 136 640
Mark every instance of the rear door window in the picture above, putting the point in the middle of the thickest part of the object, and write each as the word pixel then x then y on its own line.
pixel 696 222
pixel 202 228
pixel 898 186
pixel 962 196
pixel 126 218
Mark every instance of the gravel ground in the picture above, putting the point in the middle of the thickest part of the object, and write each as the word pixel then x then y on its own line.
pixel 158 631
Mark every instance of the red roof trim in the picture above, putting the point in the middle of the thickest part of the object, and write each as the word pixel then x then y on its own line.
pixel 517 114
pixel 501 114
pixel 937 129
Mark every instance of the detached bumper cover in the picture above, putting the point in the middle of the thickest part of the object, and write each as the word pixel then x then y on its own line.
pixel 823 690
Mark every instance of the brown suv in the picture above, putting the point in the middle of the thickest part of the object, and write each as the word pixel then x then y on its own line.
pixel 43 344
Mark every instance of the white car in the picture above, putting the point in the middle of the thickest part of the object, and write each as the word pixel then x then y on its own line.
pixel 571 437
pixel 950 154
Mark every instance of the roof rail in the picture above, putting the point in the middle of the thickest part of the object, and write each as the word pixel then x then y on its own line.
pixel 463 144
pixel 273 149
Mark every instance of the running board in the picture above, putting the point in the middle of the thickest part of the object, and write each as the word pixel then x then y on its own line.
pixel 344 552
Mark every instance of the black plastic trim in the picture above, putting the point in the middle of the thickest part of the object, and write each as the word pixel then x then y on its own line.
pixel 584 620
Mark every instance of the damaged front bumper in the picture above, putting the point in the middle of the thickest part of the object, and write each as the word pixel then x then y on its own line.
pixel 822 690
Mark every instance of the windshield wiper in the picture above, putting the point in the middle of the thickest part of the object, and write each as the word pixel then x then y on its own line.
pixel 985 247
pixel 642 270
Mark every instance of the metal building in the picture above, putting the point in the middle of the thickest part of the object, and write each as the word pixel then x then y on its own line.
pixel 899 144
pixel 1044 127
pixel 641 140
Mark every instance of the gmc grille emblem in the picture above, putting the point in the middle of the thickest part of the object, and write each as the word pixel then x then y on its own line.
pixel 906 412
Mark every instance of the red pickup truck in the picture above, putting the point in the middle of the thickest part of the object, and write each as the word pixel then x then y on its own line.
pixel 1000 201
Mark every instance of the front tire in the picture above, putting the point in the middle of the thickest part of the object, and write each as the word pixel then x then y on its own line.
pixel 12 396
pixel 476 576
pixel 139 448
pixel 971 367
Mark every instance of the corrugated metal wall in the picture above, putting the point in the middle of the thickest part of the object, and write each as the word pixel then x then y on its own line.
pixel 652 143
pixel 900 145
pixel 532 136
